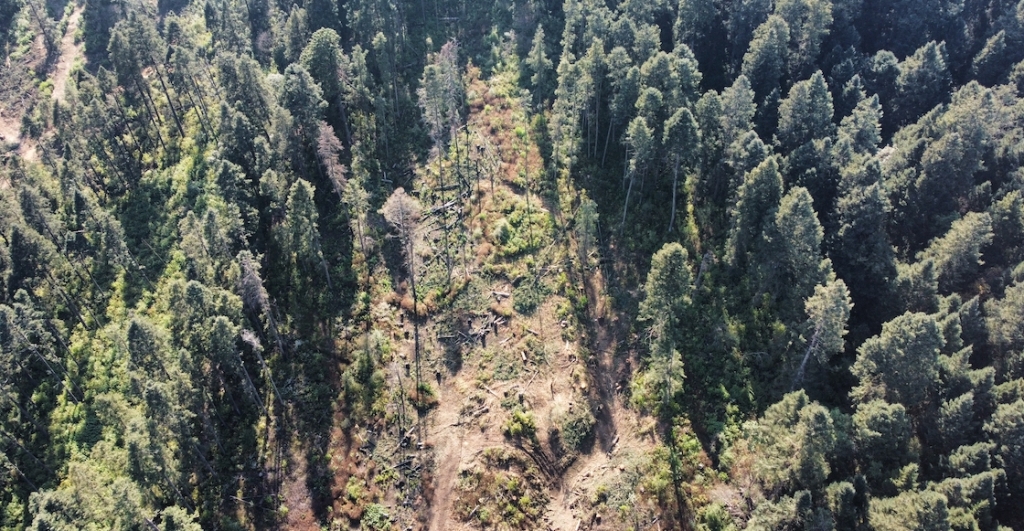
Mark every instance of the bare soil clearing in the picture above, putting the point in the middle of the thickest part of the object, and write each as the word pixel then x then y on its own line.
pixel 14 105
pixel 69 52
pixel 475 402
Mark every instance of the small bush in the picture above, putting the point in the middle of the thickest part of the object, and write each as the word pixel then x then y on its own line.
pixel 521 425
pixel 575 426
pixel 376 518
pixel 355 489
pixel 528 295
pixel 502 232
pixel 424 398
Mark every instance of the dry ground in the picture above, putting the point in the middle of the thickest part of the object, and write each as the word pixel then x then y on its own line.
pixel 565 377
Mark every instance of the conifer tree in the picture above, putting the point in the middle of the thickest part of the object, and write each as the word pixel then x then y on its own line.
pixel 957 255
pixel 828 311
pixel 809 23
pixel 860 250
pixel 921 510
pixel 641 141
pixel 323 59
pixel 757 202
pixel 764 64
pixel 738 110
pixel 805 114
pixel 586 228
pixel 1007 428
pixel 296 35
pixel 695 27
pixel 743 20
pixel 790 264
pixel 665 306
pixel 884 437
pixel 298 240
pixel 541 68
pixel 863 126
pixel 303 98
pixel 322 14
pixel 793 440
pixel 900 365
pixel 924 81
pixel 681 139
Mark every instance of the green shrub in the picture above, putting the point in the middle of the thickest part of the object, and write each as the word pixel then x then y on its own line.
pixel 528 295
pixel 575 426
pixel 521 425
pixel 375 518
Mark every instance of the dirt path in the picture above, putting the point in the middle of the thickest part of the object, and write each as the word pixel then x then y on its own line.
pixel 295 490
pixel 10 124
pixel 69 51
pixel 616 427
pixel 10 132
pixel 469 416
pixel 10 127
pixel 457 443
pixel 10 116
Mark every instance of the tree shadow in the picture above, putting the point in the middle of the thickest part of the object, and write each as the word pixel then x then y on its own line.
pixel 313 385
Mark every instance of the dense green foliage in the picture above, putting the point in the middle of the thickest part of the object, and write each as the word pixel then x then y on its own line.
pixel 809 214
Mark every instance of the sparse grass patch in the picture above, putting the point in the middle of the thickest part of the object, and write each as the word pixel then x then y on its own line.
pixel 506 489
pixel 528 295
pixel 424 398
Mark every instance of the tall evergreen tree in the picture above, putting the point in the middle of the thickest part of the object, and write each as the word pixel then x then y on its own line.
pixel 757 203
pixel 790 265
pixel 805 114
pixel 924 82
pixel 860 250
pixel 900 365
pixel 665 306
pixel 764 65
pixel 809 24
pixel 541 68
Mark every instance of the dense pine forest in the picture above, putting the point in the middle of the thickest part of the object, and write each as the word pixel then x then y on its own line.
pixel 523 264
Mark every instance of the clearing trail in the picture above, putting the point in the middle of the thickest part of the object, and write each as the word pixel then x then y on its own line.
pixel 533 361
pixel 295 491
pixel 617 429
pixel 457 442
pixel 69 52
pixel 11 113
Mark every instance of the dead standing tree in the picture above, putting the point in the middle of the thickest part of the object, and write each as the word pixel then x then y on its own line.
pixel 329 150
pixel 255 298
pixel 441 98
pixel 403 212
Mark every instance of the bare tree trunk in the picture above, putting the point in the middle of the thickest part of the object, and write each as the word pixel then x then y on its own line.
pixel 127 125
pixel 798 379
pixel 270 375
pixel 444 224
pixel 344 120
pixel 155 121
pixel 416 313
pixel 199 113
pixel 625 205
pixel 606 139
pixel 63 371
pixel 170 103
pixel 27 452
pixel 252 387
pixel 201 95
pixel 41 21
pixel 675 180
